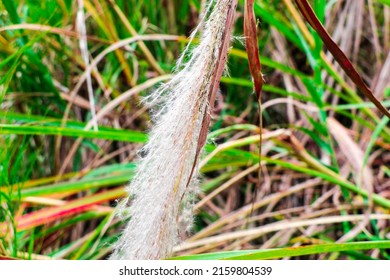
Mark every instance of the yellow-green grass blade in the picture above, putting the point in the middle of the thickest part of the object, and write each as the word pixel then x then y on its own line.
pixel 72 187
pixel 115 135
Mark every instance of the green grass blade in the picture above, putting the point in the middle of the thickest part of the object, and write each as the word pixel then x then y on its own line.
pixel 115 135
pixel 289 252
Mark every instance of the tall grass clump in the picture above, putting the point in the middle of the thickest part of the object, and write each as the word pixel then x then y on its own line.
pixel 69 66
pixel 160 201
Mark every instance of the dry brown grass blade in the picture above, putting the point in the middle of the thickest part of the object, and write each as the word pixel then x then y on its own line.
pixel 252 50
pixel 41 28
pixel 353 153
pixel 363 174
pixel 110 106
pixel 215 83
pixel 244 211
pixel 277 226
pixel 338 54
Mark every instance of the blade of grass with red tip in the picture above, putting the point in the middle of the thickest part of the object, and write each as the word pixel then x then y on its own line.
pixel 52 214
pixel 341 58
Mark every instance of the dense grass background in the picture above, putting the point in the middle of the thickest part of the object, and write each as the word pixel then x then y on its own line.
pixel 326 149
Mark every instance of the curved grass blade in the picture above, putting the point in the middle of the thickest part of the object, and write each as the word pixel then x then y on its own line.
pixel 338 54
pixel 214 83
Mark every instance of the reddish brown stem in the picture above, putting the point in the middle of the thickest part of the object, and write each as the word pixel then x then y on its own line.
pixel 252 49
pixel 223 53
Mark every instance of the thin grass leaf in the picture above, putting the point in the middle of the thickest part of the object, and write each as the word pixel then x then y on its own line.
pixel 72 187
pixel 289 252
pixel 115 135
pixel 338 54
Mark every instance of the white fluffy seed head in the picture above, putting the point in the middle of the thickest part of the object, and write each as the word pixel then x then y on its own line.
pixel 161 198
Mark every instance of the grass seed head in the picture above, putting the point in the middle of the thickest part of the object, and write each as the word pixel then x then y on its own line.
pixel 163 196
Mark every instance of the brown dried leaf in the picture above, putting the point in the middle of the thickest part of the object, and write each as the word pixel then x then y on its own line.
pixel 250 32
pixel 338 54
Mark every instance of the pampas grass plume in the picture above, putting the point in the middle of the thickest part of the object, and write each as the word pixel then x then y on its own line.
pixel 161 190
